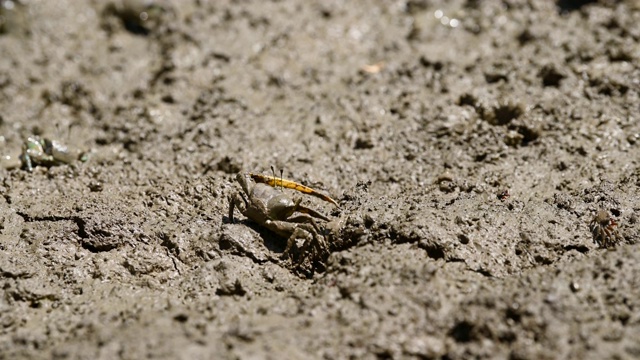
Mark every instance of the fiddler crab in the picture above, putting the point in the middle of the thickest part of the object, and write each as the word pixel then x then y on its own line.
pixel 603 229
pixel 46 152
pixel 263 201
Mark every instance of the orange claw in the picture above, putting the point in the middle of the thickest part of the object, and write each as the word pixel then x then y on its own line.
pixel 275 181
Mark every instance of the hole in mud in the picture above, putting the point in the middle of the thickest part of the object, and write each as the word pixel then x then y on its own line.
pixel 36 305
pixel 462 332
pixel 565 6
pixel 542 260
pixel 551 76
pixel 504 113
pixel 434 251
pixel 182 318
pixel 464 239
pixel 513 314
pixel 579 248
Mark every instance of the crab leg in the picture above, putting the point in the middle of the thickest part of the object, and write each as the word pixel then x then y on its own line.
pixel 275 181
pixel 306 210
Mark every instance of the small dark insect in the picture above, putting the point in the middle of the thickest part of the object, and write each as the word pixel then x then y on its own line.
pixel 604 230
pixel 504 195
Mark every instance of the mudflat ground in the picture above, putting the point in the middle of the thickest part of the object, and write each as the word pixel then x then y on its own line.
pixel 469 145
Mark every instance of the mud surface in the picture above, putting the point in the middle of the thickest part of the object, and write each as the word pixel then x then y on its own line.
pixel 469 149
